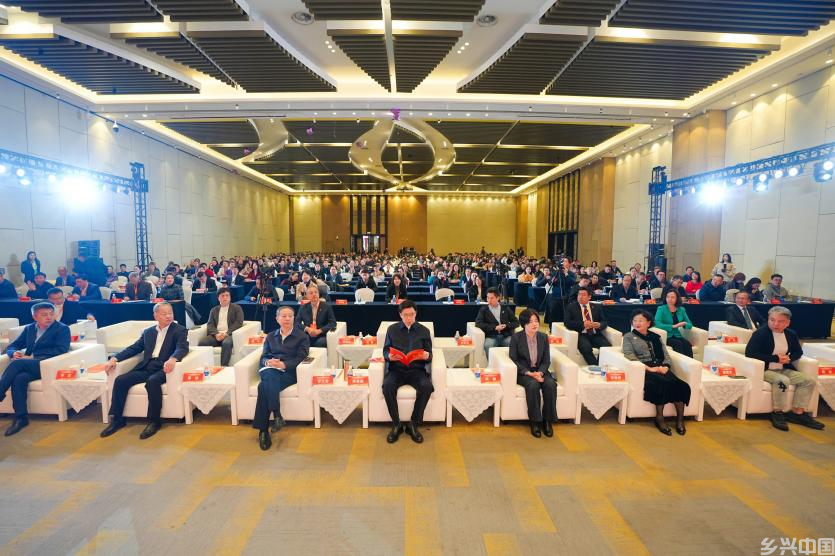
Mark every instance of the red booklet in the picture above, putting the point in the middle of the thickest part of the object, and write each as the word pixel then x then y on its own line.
pixel 406 359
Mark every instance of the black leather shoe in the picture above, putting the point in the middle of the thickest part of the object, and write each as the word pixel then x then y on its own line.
pixel 264 440
pixel 115 424
pixel 535 430
pixel 664 429
pixel 680 430
pixel 278 423
pixel 394 433
pixel 547 428
pixel 17 425
pixel 414 433
pixel 803 419
pixel 150 430
pixel 778 421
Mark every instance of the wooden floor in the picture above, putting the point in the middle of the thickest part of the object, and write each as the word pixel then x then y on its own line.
pixel 595 488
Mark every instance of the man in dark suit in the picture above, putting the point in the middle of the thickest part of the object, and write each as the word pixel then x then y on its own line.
pixel 162 347
pixel 496 321
pixel 406 336
pixel 588 321
pixel 779 348
pixel 223 320
pixel 713 290
pixel 531 354
pixel 64 278
pixel 40 340
pixel 86 290
pixel 203 283
pixel 123 271
pixel 742 315
pixel 625 291
pixel 138 289
pixel 659 280
pixel 66 312
pixel 334 280
pixel 284 350
pixel 366 281
pixel 7 289
pixel 316 318
pixel 39 287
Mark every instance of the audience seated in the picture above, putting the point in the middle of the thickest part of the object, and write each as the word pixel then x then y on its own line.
pixel 396 289
pixel 775 289
pixel 39 287
pixel 753 288
pixel 676 284
pixel 741 314
pixel 316 318
pixel 86 290
pixel 694 284
pixel 365 281
pixel 478 291
pixel 65 279
pixel 203 283
pixel 713 290
pixel 137 289
pixel 170 291
pixel 659 280
pixel 7 289
pixel 66 312
pixel 497 322
pixel 588 321
pixel 224 319
pixel 263 289
pixel 625 291
pixel 671 317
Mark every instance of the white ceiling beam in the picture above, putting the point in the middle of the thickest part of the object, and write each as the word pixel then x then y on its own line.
pixel 389 38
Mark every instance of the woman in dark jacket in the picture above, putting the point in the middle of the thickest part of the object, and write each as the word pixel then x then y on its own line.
pixel 171 291
pixel 753 288
pixel 396 289
pixel 478 291
pixel 30 267
pixel 530 352
pixel 661 385
pixel 263 287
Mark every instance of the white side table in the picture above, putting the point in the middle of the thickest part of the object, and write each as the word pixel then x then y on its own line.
pixel 81 392
pixel 356 353
pixel 340 400
pixel 470 396
pixel 722 391
pixel 599 396
pixel 826 387
pixel 453 353
pixel 206 394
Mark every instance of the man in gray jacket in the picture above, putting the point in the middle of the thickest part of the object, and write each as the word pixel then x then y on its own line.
pixel 223 320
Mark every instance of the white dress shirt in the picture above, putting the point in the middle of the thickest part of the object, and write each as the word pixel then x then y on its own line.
pixel 161 332
pixel 781 347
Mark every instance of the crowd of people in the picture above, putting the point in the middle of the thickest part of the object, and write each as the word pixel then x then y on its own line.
pixel 483 276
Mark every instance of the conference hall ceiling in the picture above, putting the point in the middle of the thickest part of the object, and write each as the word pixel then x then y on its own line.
pixel 479 95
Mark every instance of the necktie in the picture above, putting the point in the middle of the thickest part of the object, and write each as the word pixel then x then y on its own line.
pixel 748 320
pixel 587 316
pixel 315 309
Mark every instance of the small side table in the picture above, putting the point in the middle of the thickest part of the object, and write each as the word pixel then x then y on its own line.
pixel 356 353
pixel 340 400
pixel 470 396
pixel 826 387
pixel 722 391
pixel 453 353
pixel 206 394
pixel 81 392
pixel 599 396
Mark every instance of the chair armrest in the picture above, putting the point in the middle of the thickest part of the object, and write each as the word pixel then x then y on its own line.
pixel 634 370
pixel 477 334
pixel 696 336
pixel 245 371
pixel 91 354
pixel 615 337
pixel 566 371
pixel 123 367
pixel 332 339
pixel 375 372
pixel 753 369
pixel 4 362
pixel 660 332
pixel 687 369
pixel 500 361
pixel 102 334
pixel 808 366
pixel 197 334
pixel 569 337
pixel 305 371
pixel 438 369
pixel 240 336
pixel 15 332
pixel 717 327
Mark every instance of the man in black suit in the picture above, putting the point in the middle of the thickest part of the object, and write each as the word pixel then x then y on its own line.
pixel 39 288
pixel 496 321
pixel 66 312
pixel 224 318
pixel 742 315
pixel 162 347
pixel 366 281
pixel 779 348
pixel 204 283
pixel 588 321
pixel 7 289
pixel 138 289
pixel 625 291
pixel 531 354
pixel 316 318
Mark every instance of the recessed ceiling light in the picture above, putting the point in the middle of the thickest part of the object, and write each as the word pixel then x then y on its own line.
pixel 775 85
pixel 430 113
pixel 829 61
pixel 733 103
pixel 753 95
pixel 466 44
pixel 327 42
pixel 487 20
pixel 302 18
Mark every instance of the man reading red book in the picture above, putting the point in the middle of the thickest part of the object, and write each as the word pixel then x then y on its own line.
pixel 408 354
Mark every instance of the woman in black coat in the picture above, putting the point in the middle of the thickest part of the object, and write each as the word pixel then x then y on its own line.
pixel 396 288
pixel 30 267
pixel 533 373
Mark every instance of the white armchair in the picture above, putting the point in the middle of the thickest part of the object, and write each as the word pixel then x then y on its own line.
pixel 443 293
pixel 296 402
pixel 384 326
pixel 42 397
pixel 117 337
pixel 105 292
pixel 570 337
pixel 364 295
pixel 759 397
pixel 6 324
pixel 173 407
pixel 477 334
pixel 239 338
pixel 333 336
pixel 66 289
pixel 514 404
pixel 687 369
pixel 716 327
pixel 187 293
pixel 435 409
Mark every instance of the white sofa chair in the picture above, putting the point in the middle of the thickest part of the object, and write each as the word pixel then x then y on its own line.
pixel 514 404
pixel 687 369
pixel 384 326
pixel 296 402
pixel 435 409
pixel 117 337
pixel 42 397
pixel 443 293
pixel 696 336
pixel 239 338
pixel 759 397
pixel 364 295
pixel 333 336
pixel 173 407
pixel 105 292
pixel 7 323
pixel 717 327
pixel 570 337
pixel 75 330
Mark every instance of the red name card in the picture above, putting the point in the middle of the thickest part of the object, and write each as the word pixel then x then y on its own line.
pixel 369 341
pixel 615 376
pixel 73 339
pixel 458 301
pixel 554 339
pixel 358 380
pixel 66 374
pixel 730 339
pixel 775 301
pixel 158 300
pixel 817 301
pixel 192 377
pixel 608 302
pixel 255 340
pixel 347 340
pixel 214 370
pixel 490 378
pixel 826 371
pixel 341 302
pixel 464 341
pixel 116 299
pixel 25 298
pixel 694 301
pixel 726 371
pixel 320 380
pixel 304 302
pixel 266 300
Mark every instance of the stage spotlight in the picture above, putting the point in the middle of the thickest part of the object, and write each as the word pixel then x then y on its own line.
pixel 78 191
pixel 824 171
pixel 762 178
pixel 25 182
pixel 794 171
pixel 761 186
pixel 3 169
pixel 739 181
pixel 828 165
pixel 778 174
pixel 20 172
pixel 712 193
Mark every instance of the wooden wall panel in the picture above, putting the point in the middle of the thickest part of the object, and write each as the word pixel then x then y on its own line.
pixel 596 211
pixel 407 222
pixel 335 223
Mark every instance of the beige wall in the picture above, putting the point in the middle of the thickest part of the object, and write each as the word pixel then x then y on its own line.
pixel 195 209
pixel 788 229
pixel 597 205
pixel 307 223
pixel 467 224
pixel 335 223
